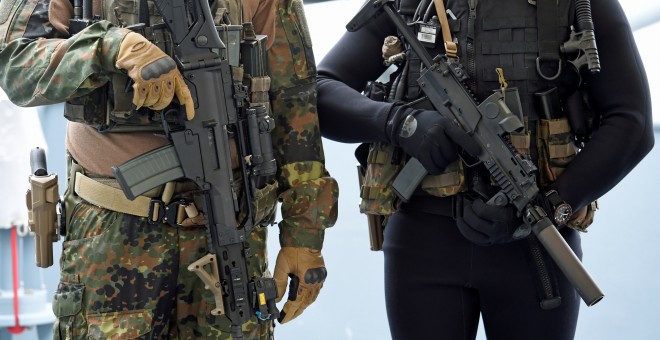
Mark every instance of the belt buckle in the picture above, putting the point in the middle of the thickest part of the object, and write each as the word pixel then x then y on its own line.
pixel 156 211
pixel 172 213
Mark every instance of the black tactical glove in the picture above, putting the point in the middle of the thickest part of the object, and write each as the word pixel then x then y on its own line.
pixel 487 225
pixel 428 136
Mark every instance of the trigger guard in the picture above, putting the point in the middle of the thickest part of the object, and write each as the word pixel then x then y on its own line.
pixel 498 200
pixel 293 287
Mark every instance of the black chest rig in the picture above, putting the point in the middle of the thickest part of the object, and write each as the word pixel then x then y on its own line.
pixel 510 46
pixel 110 108
pixel 493 35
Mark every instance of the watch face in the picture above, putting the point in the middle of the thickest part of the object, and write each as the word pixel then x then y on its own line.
pixel 563 213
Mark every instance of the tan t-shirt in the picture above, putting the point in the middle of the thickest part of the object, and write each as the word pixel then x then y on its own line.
pixel 99 152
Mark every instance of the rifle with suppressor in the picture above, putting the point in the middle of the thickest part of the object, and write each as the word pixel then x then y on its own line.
pixel 200 151
pixel 488 122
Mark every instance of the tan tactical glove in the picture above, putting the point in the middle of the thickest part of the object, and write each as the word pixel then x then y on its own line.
pixel 307 271
pixel 155 74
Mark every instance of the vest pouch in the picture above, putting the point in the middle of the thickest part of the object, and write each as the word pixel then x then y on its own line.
pixel 377 196
pixel 231 37
pixel 90 109
pixel 521 141
pixel 114 113
pixel 555 149
pixel 122 112
pixel 448 183
pixel 123 107
pixel 375 176
pixel 264 204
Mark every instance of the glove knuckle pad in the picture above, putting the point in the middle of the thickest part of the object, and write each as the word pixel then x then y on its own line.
pixel 157 68
pixel 315 275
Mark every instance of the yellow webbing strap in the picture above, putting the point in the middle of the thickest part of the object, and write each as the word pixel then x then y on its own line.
pixel 110 198
pixel 450 47
pixel 503 84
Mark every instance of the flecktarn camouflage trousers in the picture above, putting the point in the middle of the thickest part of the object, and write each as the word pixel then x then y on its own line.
pixel 123 278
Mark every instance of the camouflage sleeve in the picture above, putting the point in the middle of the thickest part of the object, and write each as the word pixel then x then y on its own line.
pixel 308 193
pixel 40 65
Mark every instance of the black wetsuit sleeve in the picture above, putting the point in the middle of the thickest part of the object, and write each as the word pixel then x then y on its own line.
pixel 620 95
pixel 345 115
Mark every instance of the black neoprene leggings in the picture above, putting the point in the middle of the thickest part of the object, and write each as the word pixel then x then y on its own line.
pixel 437 283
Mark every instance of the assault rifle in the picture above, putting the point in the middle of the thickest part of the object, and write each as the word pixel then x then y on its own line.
pixel 200 152
pixel 488 123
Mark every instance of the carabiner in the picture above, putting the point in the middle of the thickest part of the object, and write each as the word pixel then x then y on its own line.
pixel 538 69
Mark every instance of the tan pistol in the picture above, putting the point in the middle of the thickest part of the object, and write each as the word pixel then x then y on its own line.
pixel 42 199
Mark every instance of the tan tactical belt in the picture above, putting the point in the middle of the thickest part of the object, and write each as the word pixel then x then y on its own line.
pixel 153 204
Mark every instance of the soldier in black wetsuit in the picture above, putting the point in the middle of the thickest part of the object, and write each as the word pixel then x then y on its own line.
pixel 442 269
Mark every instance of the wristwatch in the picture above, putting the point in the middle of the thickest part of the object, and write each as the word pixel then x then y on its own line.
pixel 561 211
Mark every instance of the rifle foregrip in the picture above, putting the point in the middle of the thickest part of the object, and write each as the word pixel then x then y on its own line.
pixel 567 261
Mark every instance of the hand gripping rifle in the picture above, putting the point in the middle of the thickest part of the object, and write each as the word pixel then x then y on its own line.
pixel 488 123
pixel 200 151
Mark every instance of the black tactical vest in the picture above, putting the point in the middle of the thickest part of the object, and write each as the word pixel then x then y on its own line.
pixel 109 108
pixel 504 34
pixel 494 34
pixel 490 35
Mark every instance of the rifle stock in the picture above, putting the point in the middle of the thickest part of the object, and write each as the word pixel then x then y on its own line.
pixel 488 123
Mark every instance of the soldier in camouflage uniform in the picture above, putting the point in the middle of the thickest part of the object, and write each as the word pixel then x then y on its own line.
pixel 122 277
